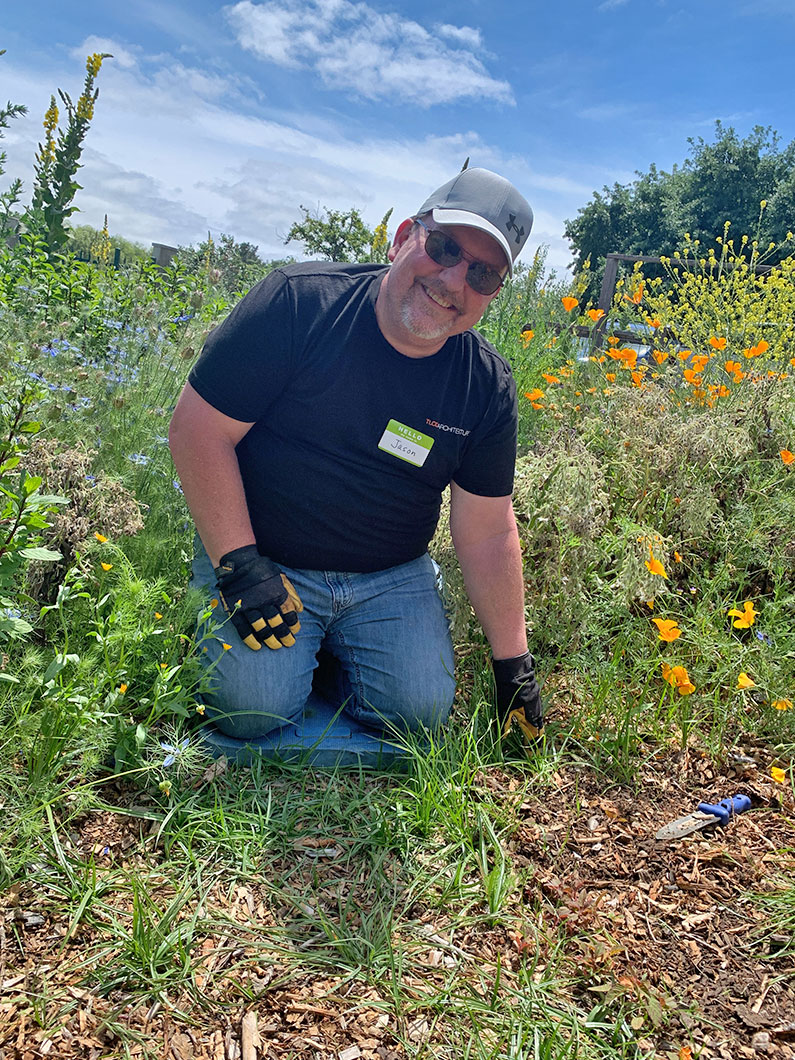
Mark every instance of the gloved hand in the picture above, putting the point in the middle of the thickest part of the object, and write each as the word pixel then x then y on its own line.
pixel 258 598
pixel 518 696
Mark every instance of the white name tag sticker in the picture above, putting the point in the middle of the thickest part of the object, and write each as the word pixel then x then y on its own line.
pixel 405 443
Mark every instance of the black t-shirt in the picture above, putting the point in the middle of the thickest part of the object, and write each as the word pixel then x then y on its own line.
pixel 353 442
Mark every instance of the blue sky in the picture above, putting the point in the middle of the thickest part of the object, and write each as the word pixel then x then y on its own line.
pixel 228 117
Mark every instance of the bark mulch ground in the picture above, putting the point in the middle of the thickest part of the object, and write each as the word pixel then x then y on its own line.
pixel 663 934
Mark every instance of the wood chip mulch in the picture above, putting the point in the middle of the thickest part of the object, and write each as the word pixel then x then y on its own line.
pixel 663 935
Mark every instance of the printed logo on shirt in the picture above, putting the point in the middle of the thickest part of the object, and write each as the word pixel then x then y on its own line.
pixel 405 443
pixel 445 427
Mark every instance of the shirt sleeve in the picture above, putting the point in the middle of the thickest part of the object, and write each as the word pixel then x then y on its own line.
pixel 487 469
pixel 247 360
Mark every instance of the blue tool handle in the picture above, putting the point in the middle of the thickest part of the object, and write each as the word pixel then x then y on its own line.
pixel 726 808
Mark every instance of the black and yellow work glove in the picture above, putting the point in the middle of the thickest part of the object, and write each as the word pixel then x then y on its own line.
pixel 259 599
pixel 518 697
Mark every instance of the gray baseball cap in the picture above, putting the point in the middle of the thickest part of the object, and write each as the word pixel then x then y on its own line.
pixel 482 199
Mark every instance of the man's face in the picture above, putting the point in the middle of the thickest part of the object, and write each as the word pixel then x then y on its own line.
pixel 421 304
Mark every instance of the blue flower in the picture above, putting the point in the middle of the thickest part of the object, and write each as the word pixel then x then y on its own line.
pixel 138 458
pixel 172 752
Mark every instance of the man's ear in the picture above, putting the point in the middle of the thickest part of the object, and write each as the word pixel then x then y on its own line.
pixel 400 237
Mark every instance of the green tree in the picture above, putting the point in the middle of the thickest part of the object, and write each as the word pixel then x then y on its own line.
pixel 334 235
pixel 10 197
pixel 719 181
pixel 58 159
pixel 233 266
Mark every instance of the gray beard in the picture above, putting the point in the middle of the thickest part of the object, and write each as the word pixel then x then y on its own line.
pixel 420 326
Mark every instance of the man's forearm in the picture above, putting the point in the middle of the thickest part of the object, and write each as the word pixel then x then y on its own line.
pixel 214 493
pixel 492 571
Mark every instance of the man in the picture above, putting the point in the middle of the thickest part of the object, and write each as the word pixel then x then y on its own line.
pixel 314 439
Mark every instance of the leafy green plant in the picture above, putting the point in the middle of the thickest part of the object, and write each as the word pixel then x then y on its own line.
pixel 23 511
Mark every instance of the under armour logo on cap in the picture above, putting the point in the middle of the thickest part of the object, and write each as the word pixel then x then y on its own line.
pixel 516 228
pixel 482 199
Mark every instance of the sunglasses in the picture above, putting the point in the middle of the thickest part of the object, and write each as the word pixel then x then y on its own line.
pixel 442 249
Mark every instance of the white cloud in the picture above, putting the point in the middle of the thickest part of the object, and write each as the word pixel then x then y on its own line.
pixel 354 48
pixel 173 152
pixel 466 36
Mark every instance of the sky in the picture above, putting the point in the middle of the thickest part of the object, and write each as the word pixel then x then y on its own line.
pixel 227 118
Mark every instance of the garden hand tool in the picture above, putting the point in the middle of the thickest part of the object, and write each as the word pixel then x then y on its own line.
pixel 705 816
pixel 518 696
pixel 260 601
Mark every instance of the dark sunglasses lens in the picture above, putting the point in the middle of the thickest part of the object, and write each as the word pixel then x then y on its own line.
pixel 441 249
pixel 482 278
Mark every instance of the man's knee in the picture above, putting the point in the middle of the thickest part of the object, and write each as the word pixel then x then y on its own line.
pixel 246 712
pixel 408 704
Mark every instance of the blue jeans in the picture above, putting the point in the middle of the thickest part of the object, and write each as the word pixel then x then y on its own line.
pixel 387 636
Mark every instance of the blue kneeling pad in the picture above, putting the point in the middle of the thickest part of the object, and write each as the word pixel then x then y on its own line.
pixel 326 737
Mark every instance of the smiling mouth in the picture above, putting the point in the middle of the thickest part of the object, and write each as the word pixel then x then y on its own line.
pixel 440 300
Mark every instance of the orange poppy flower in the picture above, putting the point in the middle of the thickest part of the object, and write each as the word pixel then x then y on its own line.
pixel 596 315
pixel 718 344
pixel 667 629
pixel 787 456
pixel 744 619
pixel 655 566
pixel 744 681
pixel 534 395
pixel 678 678
pixel 570 303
